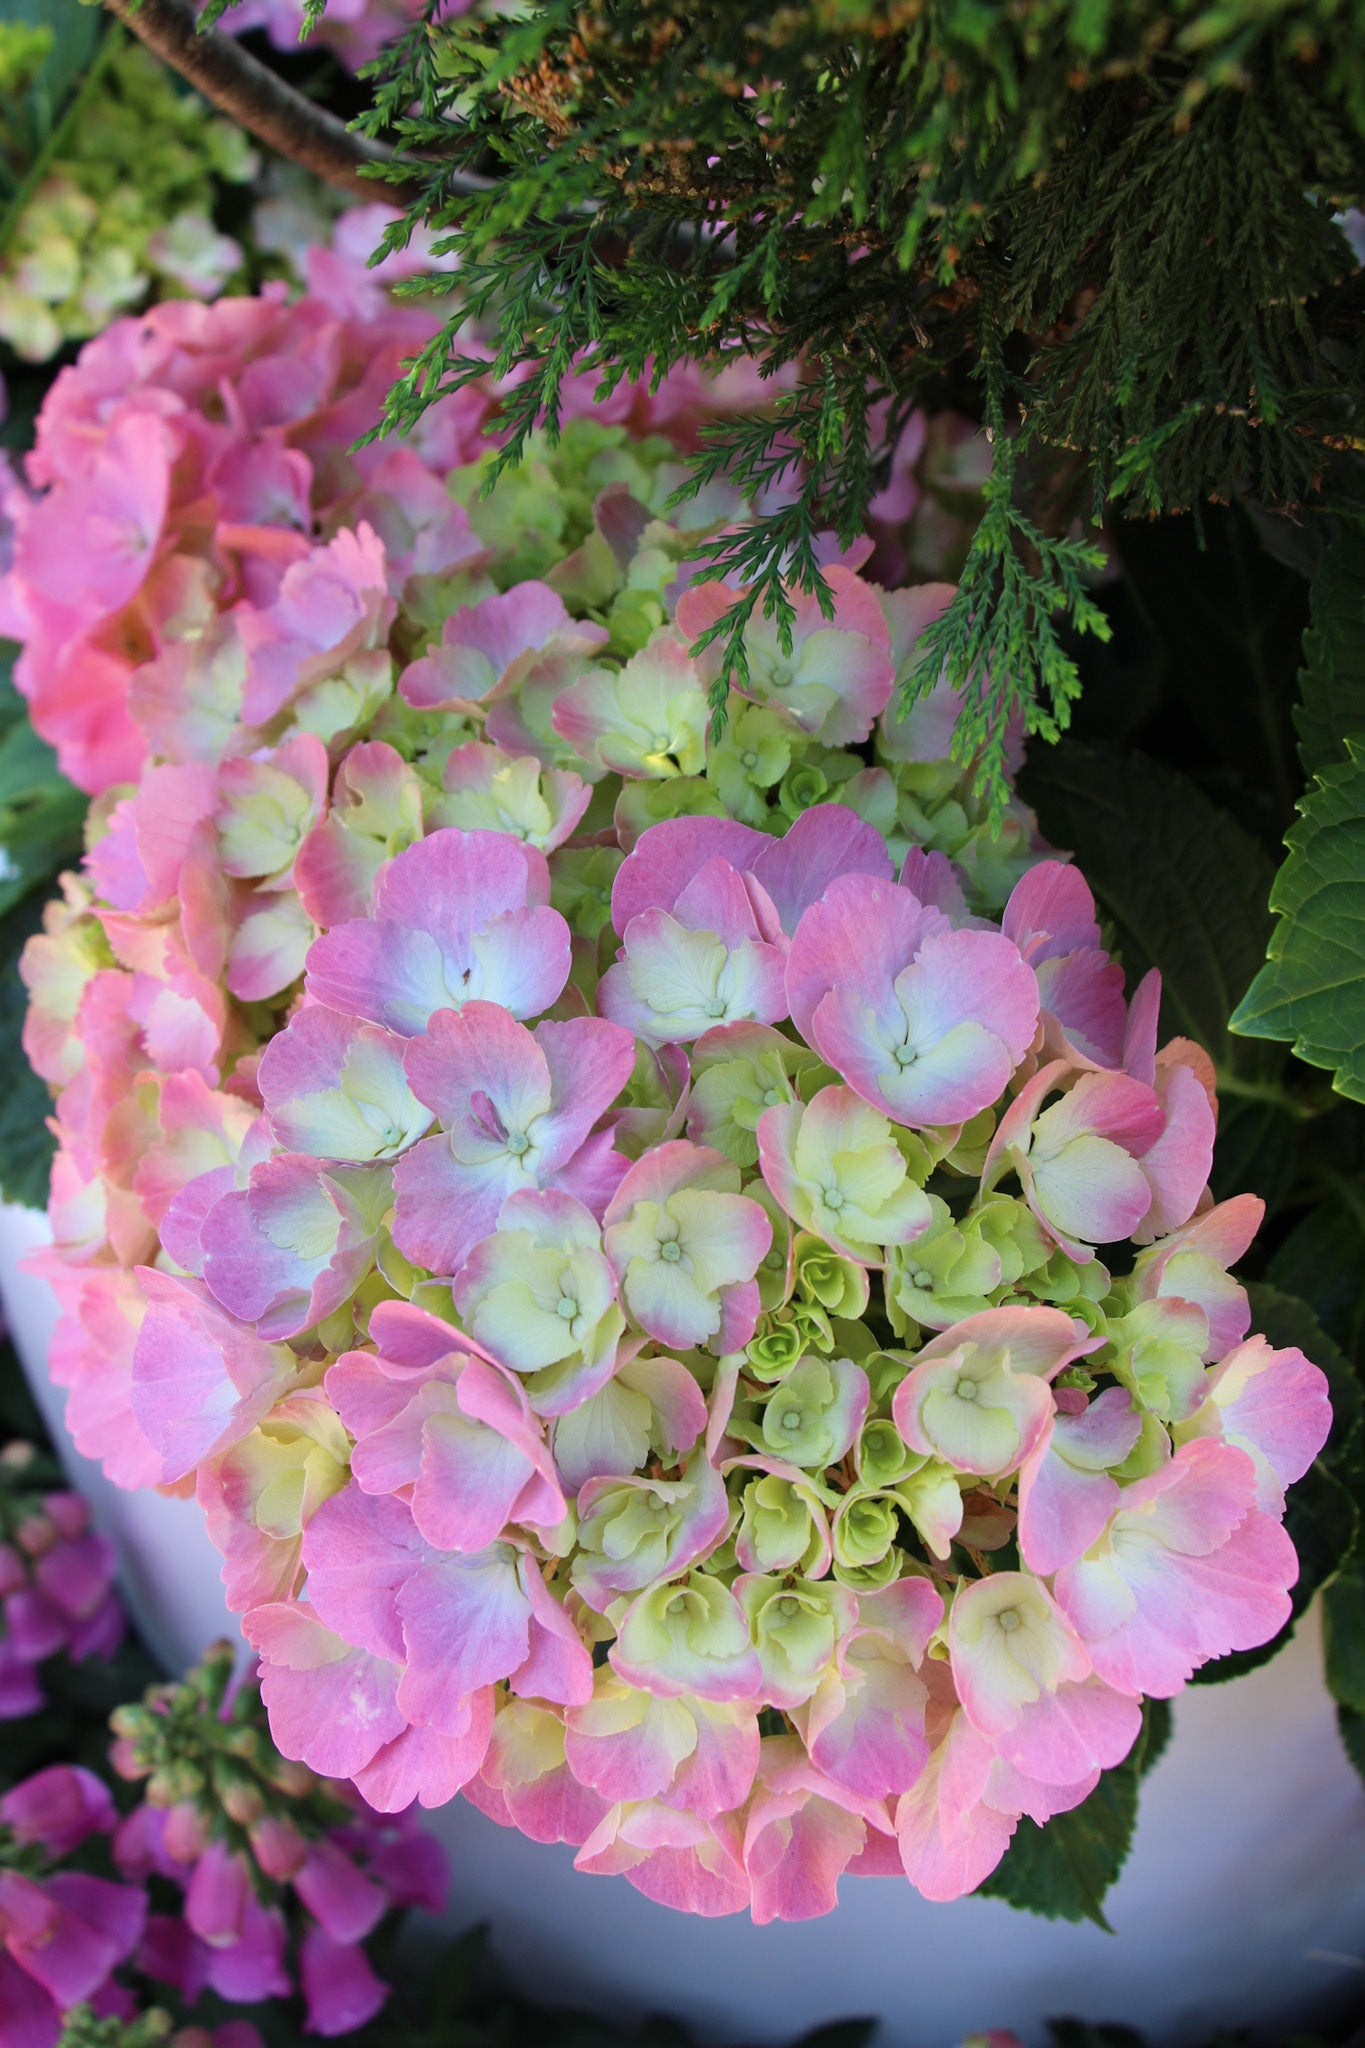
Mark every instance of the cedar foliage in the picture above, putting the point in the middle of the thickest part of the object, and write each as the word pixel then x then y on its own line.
pixel 1115 220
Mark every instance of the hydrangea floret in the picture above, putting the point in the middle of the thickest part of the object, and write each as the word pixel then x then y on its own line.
pixel 683 1281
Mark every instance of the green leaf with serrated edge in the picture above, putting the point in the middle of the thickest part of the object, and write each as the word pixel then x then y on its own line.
pixel 1343 1626
pixel 1063 1870
pixel 1332 680
pixel 1185 886
pixel 1352 1729
pixel 1157 1723
pixel 1311 990
pixel 26 1144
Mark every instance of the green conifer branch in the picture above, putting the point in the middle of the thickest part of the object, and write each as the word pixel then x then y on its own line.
pixel 1130 208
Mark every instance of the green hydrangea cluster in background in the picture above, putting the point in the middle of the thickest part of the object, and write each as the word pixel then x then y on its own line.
pixel 119 203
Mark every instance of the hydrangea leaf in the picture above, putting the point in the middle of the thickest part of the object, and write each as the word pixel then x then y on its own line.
pixel 1343 1616
pixel 1062 1871
pixel 1311 990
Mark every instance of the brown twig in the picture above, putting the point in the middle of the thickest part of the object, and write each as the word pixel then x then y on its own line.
pixel 254 96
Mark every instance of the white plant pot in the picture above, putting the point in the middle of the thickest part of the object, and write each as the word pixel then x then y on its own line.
pixel 1242 1904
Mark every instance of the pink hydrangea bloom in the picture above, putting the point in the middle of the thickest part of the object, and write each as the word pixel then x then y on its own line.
pixel 706 1330
pixel 927 1023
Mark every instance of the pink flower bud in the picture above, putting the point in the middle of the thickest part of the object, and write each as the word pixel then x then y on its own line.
pixel 68 1512
pixel 278 1847
pixel 58 1807
pixel 217 1898
pixel 13 1571
pixel 185 1833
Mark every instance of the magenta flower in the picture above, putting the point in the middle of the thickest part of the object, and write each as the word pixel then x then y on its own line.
pixel 927 1023
pixel 1192 1265
pixel 838 674
pixel 457 1440
pixel 977 1396
pixel 1188 1568
pixel 493 648
pixel 1026 1684
pixel 696 1754
pixel 688 1639
pixel 517 1110
pixel 57 1593
pixel 460 916
pixel 540 1294
pixel 714 958
pixel 375 813
pixel 340 1989
pixel 200 1380
pixel 331 1705
pixel 791 872
pixel 294 1244
pixel 1066 1492
pixel 955 1823
pixel 331 607
pixel 1051 918
pixel 334 1088
pixel 1079 1161
pixel 801 1834
pixel 635 1531
pixel 58 1808
pixel 864 1725
pixel 686 1245
pixel 1271 1404
pixel 487 788
pixel 61 1934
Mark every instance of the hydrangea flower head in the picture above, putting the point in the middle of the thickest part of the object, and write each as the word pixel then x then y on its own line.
pixel 685 1283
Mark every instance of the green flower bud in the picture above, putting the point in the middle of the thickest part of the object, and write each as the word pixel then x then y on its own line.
pixel 968 1154
pixel 885 1370
pixel 173 1783
pixel 754 752
pixel 644 803
pixel 806 1418
pixel 870 1578
pixel 864 1528
pixel 802 787
pixel 524 520
pixel 883 1458
pixel 781 1527
pixel 731 1090
pixel 932 1499
pixel 824 1276
pixel 237 1792
pixel 580 887
pixel 1156 1351
pixel 776 1347
pixel 635 616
